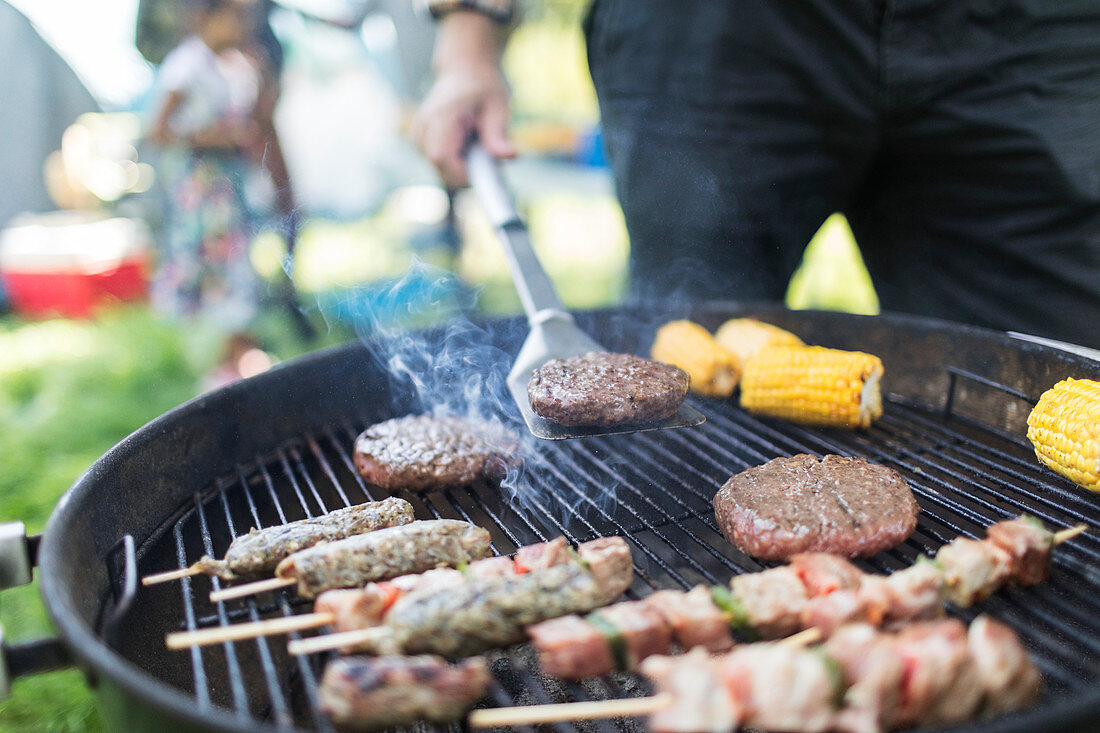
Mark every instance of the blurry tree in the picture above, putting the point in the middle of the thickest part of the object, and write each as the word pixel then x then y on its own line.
pixel 560 91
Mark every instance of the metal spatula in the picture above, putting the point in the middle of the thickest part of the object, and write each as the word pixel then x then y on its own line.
pixel 554 334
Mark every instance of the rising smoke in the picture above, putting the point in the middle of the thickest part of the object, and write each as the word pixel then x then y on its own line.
pixel 440 359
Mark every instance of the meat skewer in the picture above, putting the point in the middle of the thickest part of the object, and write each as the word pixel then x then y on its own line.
pixel 861 680
pixel 354 609
pixel 387 553
pixel 365 607
pixel 356 560
pixel 369 693
pixel 261 550
pixel 815 590
pixel 929 673
pixel 489 612
pixel 360 559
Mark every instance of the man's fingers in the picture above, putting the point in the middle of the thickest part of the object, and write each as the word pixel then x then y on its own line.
pixel 443 140
pixel 492 129
pixel 457 105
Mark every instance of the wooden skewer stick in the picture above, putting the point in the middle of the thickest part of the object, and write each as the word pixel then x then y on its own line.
pixel 802 638
pixel 326 642
pixel 596 709
pixel 1068 534
pixel 248 589
pixel 593 710
pixel 251 630
pixel 171 575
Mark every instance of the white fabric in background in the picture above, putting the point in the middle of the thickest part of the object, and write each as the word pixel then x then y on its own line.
pixel 216 88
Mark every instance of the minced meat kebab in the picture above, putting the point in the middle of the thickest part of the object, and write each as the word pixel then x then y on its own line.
pixel 836 504
pixel 606 389
pixel 425 452
pixel 261 550
pixel 386 553
pixel 489 612
pixel 361 608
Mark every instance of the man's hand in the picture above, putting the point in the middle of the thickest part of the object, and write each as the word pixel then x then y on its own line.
pixel 469 95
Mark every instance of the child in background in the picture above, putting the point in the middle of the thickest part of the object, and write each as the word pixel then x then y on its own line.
pixel 215 126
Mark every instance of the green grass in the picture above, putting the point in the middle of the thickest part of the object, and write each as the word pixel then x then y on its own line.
pixel 68 392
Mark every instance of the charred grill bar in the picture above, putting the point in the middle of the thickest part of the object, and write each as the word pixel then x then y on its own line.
pixel 655 489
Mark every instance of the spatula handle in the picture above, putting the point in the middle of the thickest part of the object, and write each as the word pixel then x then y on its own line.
pixel 535 289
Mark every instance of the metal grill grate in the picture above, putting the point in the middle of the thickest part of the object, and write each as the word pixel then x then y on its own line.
pixel 655 490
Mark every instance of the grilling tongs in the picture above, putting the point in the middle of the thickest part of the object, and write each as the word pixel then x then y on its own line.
pixel 554 334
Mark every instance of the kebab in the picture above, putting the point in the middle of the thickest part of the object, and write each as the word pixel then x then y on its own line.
pixel 371 693
pixel 361 608
pixel 929 673
pixel 261 550
pixel 355 611
pixel 815 590
pixel 861 680
pixel 354 561
pixel 489 612
pixel 360 559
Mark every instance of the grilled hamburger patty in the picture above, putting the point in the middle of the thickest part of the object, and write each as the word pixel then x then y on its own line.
pixel 841 505
pixel 599 388
pixel 423 452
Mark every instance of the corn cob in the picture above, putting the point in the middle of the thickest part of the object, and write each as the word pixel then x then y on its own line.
pixel 746 336
pixel 713 369
pixel 1064 427
pixel 813 385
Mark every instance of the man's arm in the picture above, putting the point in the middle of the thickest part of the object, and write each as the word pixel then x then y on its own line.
pixel 469 95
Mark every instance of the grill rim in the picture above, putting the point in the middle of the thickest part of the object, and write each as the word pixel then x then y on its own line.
pixel 100 660
pixel 90 650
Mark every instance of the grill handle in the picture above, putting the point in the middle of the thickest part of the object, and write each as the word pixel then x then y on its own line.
pixel 18 556
pixel 536 291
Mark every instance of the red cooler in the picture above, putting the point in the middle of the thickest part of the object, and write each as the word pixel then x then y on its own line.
pixel 68 263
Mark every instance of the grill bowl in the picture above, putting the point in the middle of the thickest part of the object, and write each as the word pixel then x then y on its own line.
pixel 957 400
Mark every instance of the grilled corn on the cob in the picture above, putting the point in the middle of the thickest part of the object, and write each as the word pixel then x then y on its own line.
pixel 746 336
pixel 813 385
pixel 713 369
pixel 1064 427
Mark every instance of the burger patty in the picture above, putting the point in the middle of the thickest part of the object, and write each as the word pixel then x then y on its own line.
pixel 606 389
pixel 841 505
pixel 423 452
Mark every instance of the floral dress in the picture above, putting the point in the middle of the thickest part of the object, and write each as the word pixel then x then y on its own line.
pixel 204 269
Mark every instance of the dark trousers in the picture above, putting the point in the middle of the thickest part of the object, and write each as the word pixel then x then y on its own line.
pixel 960 137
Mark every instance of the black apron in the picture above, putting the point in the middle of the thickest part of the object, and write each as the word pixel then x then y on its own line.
pixel 960 137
